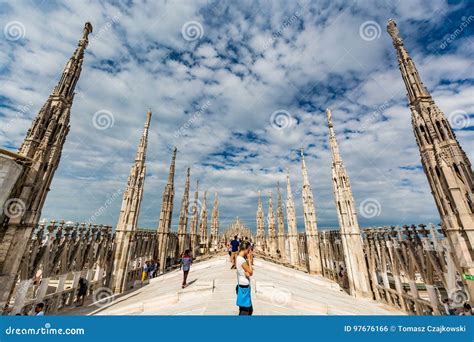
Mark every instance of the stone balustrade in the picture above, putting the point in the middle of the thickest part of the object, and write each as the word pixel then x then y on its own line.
pixel 411 268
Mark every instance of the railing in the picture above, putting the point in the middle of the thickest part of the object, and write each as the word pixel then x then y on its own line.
pixel 60 254
pixel 411 268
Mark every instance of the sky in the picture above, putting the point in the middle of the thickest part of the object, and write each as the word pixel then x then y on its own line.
pixel 238 87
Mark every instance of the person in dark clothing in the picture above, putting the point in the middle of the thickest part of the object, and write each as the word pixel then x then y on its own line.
pixel 81 292
pixel 235 250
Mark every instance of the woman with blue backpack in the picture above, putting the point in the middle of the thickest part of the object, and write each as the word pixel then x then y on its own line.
pixel 244 272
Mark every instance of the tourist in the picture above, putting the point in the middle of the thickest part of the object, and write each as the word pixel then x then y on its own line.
pixel 244 272
pixel 151 269
pixel 466 310
pixel 145 271
pixel 229 249
pixel 186 262
pixel 235 250
pixel 81 292
pixel 39 309
pixel 449 306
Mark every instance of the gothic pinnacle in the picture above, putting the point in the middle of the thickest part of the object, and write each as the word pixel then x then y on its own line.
pixel 130 209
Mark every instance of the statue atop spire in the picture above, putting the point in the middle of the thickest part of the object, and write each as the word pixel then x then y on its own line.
pixel 130 209
pixel 415 87
pixel 444 161
pixel 66 85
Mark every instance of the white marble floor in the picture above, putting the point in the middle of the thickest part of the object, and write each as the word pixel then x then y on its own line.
pixel 276 290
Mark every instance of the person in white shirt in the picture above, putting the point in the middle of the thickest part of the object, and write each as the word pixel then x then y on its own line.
pixel 39 309
pixel 244 272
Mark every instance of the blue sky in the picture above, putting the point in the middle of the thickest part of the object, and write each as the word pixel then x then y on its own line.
pixel 221 78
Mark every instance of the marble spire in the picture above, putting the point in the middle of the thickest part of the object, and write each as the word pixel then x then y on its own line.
pixel 280 225
pixel 292 225
pixel 195 221
pixel 166 214
pixel 215 224
pixel 203 224
pixel 260 238
pixel 183 216
pixel 445 163
pixel 42 146
pixel 311 229
pixel 359 285
pixel 271 236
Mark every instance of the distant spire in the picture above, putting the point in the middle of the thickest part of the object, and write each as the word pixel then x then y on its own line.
pixel 183 215
pixel 128 217
pixel 166 214
pixel 310 224
pixel 292 226
pixel 215 223
pixel 280 224
pixel 195 218
pixel 260 238
pixel 172 167
pixel 332 138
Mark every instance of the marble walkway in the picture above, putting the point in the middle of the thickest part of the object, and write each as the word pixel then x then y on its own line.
pixel 276 290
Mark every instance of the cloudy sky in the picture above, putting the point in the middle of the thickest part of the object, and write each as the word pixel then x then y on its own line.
pixel 238 87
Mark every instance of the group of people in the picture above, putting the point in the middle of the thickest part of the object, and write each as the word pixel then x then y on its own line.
pixel 150 269
pixel 241 257
pixel 453 310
